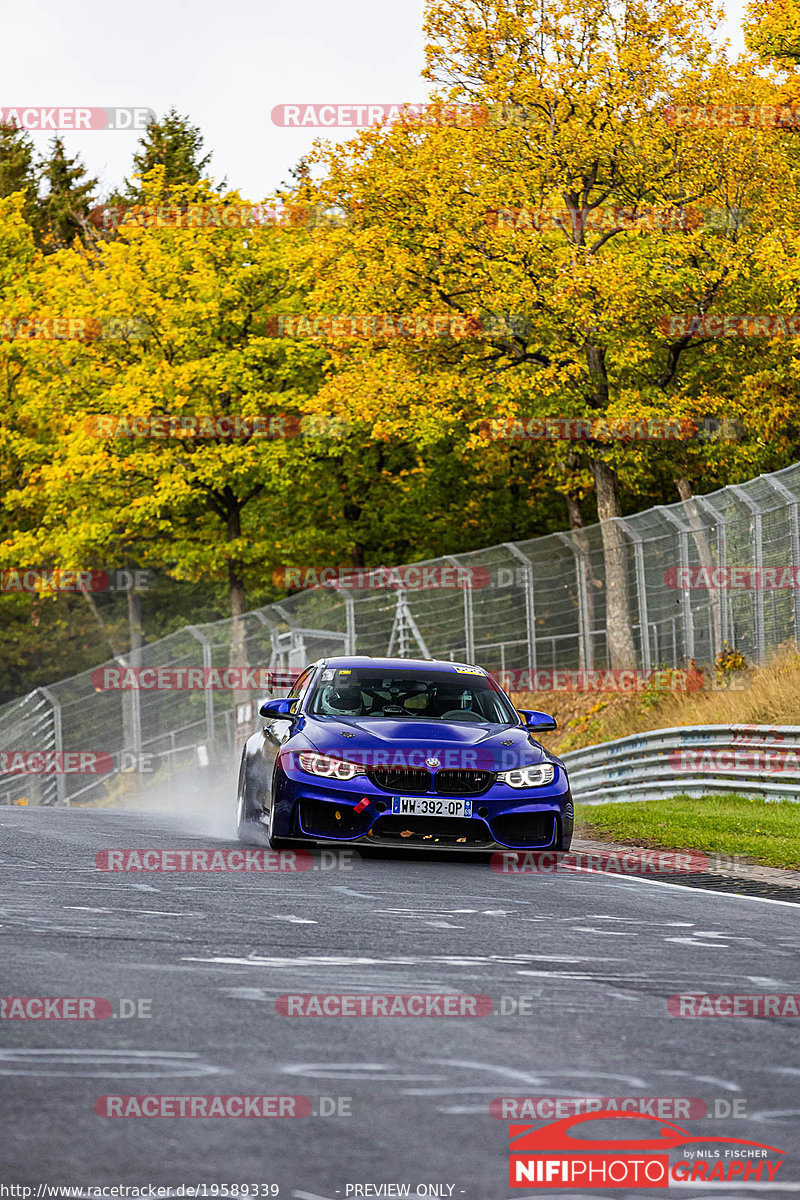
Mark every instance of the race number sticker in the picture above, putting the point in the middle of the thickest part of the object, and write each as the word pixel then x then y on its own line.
pixel 470 671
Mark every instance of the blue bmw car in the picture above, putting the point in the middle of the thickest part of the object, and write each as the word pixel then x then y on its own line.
pixel 402 752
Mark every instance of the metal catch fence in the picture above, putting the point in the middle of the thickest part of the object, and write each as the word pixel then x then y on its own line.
pixel 531 606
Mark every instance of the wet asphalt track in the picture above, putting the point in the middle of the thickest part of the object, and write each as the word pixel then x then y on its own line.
pixel 598 954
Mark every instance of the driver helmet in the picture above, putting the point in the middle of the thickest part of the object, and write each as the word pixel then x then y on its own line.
pixel 342 701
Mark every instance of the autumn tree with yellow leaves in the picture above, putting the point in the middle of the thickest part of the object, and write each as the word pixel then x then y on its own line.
pixel 115 465
pixel 569 219
pixel 538 239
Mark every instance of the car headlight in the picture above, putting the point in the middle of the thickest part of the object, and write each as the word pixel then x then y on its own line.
pixel 329 768
pixel 526 777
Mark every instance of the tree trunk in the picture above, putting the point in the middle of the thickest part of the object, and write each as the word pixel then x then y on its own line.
pixel 237 591
pixel 705 557
pixel 584 566
pixel 619 636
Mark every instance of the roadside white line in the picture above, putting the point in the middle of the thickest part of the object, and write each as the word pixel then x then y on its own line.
pixel 703 891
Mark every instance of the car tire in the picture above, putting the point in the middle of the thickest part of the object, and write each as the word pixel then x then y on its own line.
pixel 275 843
pixel 249 810
pixel 563 843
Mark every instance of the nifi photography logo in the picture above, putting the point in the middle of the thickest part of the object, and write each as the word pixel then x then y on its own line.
pixel 565 1154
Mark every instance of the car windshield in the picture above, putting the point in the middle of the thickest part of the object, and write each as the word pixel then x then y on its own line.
pixel 460 694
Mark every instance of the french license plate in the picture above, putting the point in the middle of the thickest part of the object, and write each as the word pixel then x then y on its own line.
pixel 423 806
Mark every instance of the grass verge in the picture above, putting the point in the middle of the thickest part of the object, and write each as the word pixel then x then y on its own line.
pixel 768 832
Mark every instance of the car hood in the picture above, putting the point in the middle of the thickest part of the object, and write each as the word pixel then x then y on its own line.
pixel 408 743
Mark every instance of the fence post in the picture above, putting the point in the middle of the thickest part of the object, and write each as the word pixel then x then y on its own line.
pixel 403 623
pixel 270 627
pixel 530 609
pixel 133 698
pixel 686 595
pixel 469 626
pixel 750 504
pixel 722 561
pixel 209 695
pixel 641 590
pixel 58 741
pixel 794 524
pixel 350 626
pixel 349 617
pixel 585 647
pixel 259 616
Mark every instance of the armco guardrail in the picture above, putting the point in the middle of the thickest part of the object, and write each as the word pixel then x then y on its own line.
pixel 749 760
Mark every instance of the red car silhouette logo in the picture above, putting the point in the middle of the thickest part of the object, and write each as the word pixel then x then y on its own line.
pixel 552 1156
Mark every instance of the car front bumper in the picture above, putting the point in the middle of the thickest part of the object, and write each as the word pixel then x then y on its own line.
pixel 320 810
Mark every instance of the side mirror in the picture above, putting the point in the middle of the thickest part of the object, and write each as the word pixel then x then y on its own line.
pixel 278 708
pixel 535 720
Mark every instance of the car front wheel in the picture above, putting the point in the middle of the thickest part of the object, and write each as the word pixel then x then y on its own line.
pixel 250 807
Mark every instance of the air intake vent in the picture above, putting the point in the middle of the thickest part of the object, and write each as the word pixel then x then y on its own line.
pixel 458 782
pixel 524 829
pixel 332 820
pixel 406 780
